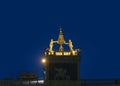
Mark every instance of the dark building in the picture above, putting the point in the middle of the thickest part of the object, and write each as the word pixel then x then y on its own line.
pixel 28 76
pixel 61 65
pixel 61 68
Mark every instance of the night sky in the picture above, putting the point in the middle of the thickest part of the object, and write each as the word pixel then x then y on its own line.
pixel 26 28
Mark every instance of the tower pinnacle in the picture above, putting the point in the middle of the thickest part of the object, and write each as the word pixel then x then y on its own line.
pixel 61 37
pixel 60 29
pixel 61 40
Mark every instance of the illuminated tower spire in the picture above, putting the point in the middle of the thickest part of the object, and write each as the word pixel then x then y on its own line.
pixel 61 40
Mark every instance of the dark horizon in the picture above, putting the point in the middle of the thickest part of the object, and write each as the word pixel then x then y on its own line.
pixel 27 26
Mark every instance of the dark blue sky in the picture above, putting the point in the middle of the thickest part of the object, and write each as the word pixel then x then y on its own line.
pixel 26 28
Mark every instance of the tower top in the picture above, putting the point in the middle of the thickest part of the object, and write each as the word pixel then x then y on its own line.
pixel 61 41
pixel 60 29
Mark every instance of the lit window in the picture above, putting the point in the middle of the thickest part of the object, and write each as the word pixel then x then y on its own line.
pixel 58 53
pixel 49 53
pixel 66 53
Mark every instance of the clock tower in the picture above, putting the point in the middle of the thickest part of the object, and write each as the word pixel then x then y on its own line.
pixel 61 67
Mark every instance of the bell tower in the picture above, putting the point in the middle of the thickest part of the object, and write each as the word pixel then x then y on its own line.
pixel 61 65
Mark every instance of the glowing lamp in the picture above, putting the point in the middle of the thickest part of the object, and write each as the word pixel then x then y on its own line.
pixel 43 60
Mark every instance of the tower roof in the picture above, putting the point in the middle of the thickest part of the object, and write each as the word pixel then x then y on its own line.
pixel 61 37
pixel 61 50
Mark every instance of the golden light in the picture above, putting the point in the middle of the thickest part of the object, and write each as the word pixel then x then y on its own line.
pixel 43 60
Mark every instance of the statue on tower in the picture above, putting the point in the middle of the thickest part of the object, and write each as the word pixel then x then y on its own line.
pixel 51 45
pixel 70 45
